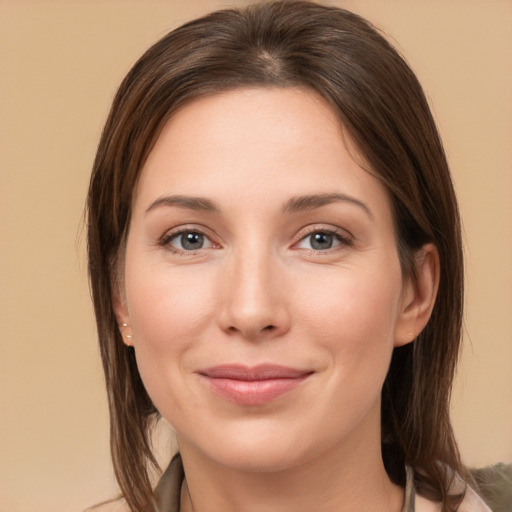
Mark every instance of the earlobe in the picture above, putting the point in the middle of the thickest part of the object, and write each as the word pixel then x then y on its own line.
pixel 418 295
pixel 122 317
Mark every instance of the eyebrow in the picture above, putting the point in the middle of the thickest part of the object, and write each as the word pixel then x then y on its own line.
pixel 310 202
pixel 189 202
pixel 293 205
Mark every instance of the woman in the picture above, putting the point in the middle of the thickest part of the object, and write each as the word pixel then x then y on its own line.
pixel 276 266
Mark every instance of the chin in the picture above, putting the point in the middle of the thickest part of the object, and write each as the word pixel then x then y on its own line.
pixel 261 446
pixel 260 459
pixel 254 446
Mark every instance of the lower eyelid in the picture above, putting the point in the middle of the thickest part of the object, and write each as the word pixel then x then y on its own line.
pixel 342 238
pixel 169 237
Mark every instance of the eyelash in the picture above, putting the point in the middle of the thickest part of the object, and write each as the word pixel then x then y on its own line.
pixel 169 237
pixel 344 239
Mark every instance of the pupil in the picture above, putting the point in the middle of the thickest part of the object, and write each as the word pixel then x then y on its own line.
pixel 191 241
pixel 321 241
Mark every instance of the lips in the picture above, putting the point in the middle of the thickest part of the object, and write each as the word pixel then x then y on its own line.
pixel 256 385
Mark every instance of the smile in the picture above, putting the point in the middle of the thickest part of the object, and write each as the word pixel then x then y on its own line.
pixel 253 385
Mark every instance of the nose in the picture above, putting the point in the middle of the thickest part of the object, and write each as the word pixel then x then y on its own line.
pixel 254 302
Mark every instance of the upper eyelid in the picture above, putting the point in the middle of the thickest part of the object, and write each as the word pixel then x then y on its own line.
pixel 344 238
pixel 173 233
pixel 304 232
pixel 186 228
pixel 322 228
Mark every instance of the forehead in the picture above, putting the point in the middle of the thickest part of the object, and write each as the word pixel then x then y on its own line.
pixel 260 140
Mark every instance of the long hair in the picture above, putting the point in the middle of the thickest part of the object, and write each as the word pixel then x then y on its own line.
pixel 380 103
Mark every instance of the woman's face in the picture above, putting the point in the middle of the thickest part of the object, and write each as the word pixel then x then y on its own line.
pixel 262 284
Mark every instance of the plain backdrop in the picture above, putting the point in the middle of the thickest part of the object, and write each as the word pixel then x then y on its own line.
pixel 60 64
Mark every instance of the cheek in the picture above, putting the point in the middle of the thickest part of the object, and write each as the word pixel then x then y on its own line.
pixel 358 301
pixel 168 311
pixel 353 317
pixel 165 305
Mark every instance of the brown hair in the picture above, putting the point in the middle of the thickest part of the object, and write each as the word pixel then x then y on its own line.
pixel 381 104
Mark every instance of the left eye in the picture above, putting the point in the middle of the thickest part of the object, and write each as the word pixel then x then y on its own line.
pixel 189 241
pixel 320 241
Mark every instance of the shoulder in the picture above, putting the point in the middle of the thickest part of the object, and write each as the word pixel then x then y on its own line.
pixel 421 504
pixel 471 503
pixel 494 484
pixel 118 505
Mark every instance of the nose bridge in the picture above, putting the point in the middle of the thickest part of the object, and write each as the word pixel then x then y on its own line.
pixel 253 304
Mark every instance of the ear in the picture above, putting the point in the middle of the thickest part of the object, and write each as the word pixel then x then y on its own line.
pixel 418 295
pixel 122 316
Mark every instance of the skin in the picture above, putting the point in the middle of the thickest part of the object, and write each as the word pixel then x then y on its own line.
pixel 258 291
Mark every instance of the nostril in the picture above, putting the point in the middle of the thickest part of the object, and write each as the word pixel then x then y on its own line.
pixel 233 329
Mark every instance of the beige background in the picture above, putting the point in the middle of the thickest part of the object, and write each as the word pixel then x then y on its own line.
pixel 60 63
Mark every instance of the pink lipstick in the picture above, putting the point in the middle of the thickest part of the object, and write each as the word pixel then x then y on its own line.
pixel 255 385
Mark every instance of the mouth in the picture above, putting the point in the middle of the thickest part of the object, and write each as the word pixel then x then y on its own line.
pixel 255 385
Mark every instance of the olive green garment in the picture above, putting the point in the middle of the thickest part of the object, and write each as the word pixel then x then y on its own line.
pixel 167 492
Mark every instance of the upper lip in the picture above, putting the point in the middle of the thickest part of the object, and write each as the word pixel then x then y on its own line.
pixel 253 373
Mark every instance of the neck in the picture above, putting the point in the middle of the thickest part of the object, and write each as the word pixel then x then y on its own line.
pixel 337 481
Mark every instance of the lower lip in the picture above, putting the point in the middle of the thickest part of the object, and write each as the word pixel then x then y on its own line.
pixel 253 392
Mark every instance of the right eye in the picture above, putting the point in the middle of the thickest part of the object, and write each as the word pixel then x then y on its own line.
pixel 188 241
